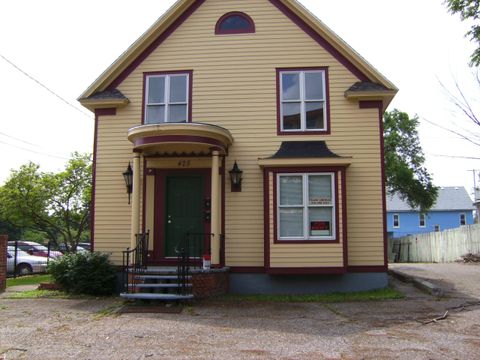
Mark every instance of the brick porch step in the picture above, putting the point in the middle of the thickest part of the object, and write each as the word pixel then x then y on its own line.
pixel 152 296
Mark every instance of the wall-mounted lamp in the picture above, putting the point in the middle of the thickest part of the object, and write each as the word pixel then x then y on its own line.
pixel 128 177
pixel 236 178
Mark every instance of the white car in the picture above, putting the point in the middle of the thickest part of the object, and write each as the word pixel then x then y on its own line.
pixel 26 263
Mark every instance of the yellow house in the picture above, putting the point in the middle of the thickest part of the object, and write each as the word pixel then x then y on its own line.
pixel 254 131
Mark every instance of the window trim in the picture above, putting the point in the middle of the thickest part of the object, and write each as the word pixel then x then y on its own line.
pixel 250 30
pixel 335 238
pixel 398 221
pixel 326 130
pixel 420 220
pixel 146 75
pixel 464 219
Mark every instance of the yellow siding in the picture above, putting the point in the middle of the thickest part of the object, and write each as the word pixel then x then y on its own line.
pixel 234 86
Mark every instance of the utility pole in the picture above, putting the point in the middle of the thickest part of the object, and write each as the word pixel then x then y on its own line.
pixel 475 197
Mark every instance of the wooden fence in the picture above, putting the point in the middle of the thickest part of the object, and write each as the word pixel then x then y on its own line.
pixel 440 247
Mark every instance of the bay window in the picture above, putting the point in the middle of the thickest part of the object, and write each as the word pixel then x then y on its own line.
pixel 306 206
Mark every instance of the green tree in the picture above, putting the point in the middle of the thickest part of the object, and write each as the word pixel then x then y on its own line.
pixel 405 171
pixel 469 9
pixel 55 204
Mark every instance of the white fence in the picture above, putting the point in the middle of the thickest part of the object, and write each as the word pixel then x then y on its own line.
pixel 440 247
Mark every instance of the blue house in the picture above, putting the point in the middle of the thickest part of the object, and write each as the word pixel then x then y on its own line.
pixel 453 208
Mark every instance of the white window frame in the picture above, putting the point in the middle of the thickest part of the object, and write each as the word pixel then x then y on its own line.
pixel 420 215
pixel 398 221
pixel 464 219
pixel 166 98
pixel 306 228
pixel 303 101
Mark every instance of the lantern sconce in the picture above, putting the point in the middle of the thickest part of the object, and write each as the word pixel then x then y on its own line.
pixel 128 177
pixel 236 178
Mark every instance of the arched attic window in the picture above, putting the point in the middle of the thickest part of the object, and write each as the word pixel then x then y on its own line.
pixel 235 23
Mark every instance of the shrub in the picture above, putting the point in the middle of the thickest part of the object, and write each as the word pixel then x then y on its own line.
pixel 84 273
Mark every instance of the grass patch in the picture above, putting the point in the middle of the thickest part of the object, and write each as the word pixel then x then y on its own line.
pixel 29 280
pixel 39 294
pixel 372 295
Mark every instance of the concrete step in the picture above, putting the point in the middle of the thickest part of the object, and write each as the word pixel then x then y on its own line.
pixel 158 286
pixel 159 277
pixel 152 296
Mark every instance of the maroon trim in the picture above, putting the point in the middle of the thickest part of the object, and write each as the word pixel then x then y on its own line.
pixel 190 89
pixel 343 171
pixel 313 270
pixel 379 106
pixel 327 103
pixel 157 42
pixel 367 269
pixel 333 170
pixel 250 29
pixel 247 269
pixel 98 113
pixel 320 40
pixel 179 139
pixel 266 220
pixel 146 172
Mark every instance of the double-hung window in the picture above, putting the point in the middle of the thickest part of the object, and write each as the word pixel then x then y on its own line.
pixel 396 220
pixel 166 98
pixel 421 220
pixel 303 101
pixel 306 206
pixel 463 219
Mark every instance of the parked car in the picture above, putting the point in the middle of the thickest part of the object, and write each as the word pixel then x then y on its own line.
pixel 26 263
pixel 35 249
pixel 63 248
pixel 85 245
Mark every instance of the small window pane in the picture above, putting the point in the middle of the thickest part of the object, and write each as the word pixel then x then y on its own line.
pixel 235 23
pixel 291 86
pixel 178 89
pixel 291 222
pixel 314 86
pixel 291 116
pixel 320 190
pixel 291 190
pixel 320 221
pixel 156 90
pixel 177 113
pixel 315 115
pixel 155 114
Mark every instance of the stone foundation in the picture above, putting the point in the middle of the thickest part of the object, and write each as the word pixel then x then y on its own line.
pixel 208 283
pixel 3 262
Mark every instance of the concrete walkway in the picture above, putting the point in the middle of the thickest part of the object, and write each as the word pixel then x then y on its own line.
pixel 451 279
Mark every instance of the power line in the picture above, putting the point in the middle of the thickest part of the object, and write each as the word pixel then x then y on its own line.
pixel 45 87
pixel 33 151
pixel 455 156
pixel 17 139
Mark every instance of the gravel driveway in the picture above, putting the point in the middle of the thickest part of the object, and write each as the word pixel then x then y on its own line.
pixel 84 329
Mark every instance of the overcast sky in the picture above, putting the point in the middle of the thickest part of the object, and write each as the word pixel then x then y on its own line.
pixel 66 45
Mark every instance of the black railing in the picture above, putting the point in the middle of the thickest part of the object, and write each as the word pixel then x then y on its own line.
pixel 190 252
pixel 135 262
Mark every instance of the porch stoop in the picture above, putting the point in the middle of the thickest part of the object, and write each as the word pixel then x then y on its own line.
pixel 156 283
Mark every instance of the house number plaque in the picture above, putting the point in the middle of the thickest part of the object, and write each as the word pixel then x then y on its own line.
pixel 184 163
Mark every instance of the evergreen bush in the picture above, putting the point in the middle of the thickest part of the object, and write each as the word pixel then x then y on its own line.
pixel 87 273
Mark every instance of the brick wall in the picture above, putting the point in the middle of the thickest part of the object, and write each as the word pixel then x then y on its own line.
pixel 209 284
pixel 3 262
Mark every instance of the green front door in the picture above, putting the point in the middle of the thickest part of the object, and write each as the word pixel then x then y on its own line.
pixel 184 195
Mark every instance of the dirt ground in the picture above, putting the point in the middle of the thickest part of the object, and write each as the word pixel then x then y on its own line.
pixel 85 329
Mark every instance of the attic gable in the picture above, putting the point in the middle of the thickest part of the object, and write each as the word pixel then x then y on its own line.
pixel 183 9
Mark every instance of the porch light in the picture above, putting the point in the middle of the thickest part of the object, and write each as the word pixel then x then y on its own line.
pixel 236 178
pixel 128 177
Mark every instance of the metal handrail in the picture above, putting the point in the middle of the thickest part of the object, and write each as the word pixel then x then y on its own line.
pixel 135 262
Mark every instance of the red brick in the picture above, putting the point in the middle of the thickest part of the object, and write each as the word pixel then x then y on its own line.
pixel 3 262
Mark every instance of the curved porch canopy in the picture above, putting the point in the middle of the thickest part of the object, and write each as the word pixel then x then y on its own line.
pixel 180 138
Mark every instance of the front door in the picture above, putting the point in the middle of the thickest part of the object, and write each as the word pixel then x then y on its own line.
pixel 184 209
